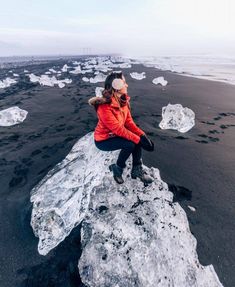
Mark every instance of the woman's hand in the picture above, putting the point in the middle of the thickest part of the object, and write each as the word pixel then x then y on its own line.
pixel 146 143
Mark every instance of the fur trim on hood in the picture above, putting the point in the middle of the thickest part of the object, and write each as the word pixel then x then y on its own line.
pixel 97 101
pixel 105 99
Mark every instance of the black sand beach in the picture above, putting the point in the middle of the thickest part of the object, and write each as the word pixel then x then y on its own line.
pixel 198 166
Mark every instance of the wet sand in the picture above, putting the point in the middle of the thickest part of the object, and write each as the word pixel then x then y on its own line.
pixel 198 166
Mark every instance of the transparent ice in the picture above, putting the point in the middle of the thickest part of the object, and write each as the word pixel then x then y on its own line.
pixel 177 118
pixel 12 116
pixel 131 235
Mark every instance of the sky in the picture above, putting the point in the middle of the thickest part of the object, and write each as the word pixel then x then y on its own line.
pixel 128 27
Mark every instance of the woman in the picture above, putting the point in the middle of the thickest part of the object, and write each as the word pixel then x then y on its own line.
pixel 116 129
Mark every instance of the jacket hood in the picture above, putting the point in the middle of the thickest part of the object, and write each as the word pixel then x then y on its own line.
pixel 106 99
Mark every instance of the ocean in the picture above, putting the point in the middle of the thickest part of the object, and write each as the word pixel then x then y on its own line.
pixel 216 68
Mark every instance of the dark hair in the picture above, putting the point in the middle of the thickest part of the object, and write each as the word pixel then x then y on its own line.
pixel 107 92
pixel 110 78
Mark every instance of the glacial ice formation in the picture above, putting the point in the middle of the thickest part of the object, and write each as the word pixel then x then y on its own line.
pixel 160 80
pixel 131 235
pixel 5 83
pixel 45 80
pixel 177 118
pixel 138 76
pixel 12 116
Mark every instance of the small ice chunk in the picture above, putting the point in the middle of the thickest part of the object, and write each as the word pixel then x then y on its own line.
pixel 160 80
pixel 138 76
pixel 98 91
pixel 61 85
pixel 177 118
pixel 192 208
pixel 16 75
pixel 76 71
pixel 7 83
pixel 52 70
pixel 12 116
pixel 65 68
pixel 76 63
pixel 26 71
pixel 33 78
pixel 48 73
pixel 85 79
pixel 86 71
pixel 98 78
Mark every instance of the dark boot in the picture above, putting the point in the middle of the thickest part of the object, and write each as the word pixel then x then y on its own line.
pixel 117 173
pixel 138 171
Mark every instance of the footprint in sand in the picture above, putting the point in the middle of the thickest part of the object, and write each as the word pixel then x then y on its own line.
pixel 215 132
pixel 206 139
pixel 35 152
pixel 226 126
pixel 208 123
pixel 20 178
pixel 181 138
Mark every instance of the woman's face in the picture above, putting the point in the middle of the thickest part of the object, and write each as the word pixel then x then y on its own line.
pixel 124 89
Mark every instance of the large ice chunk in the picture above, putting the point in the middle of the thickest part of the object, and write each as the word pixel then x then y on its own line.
pixel 131 235
pixel 12 116
pixel 177 118
pixel 5 83
pixel 138 76
pixel 160 80
pixel 136 236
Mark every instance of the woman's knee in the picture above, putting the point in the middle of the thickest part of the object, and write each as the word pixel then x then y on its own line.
pixel 129 145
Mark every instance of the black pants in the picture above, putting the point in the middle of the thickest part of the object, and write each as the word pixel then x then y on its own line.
pixel 127 147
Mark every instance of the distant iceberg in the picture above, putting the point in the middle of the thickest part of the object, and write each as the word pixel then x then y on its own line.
pixel 131 235
pixel 12 116
pixel 160 80
pixel 138 76
pixel 177 118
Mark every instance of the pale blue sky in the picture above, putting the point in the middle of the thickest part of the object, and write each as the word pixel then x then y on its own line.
pixel 131 27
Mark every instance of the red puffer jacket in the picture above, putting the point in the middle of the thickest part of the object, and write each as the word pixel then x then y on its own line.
pixel 116 121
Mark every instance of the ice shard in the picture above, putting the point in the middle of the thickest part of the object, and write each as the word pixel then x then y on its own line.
pixel 138 76
pixel 12 116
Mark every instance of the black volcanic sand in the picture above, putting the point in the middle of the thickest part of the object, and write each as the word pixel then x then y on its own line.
pixel 198 165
